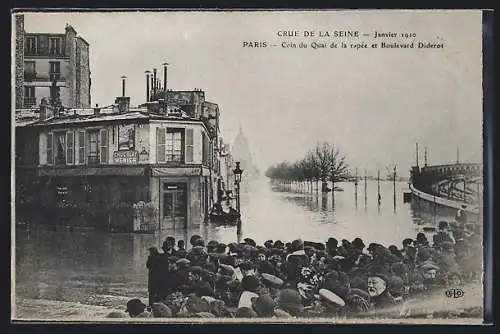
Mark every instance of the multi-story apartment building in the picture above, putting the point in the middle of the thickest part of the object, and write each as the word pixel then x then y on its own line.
pixel 51 66
pixel 109 160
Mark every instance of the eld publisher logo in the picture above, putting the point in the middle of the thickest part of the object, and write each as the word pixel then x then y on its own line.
pixel 454 293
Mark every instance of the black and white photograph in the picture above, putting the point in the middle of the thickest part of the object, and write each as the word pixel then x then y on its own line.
pixel 274 166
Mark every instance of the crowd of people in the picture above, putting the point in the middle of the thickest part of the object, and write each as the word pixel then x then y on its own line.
pixel 302 278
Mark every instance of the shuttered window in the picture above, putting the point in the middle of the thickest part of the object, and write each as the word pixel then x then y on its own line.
pixel 50 149
pixel 160 144
pixel 189 145
pixel 81 147
pixel 70 147
pixel 104 146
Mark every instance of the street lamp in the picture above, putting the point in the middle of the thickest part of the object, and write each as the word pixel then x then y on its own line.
pixel 237 179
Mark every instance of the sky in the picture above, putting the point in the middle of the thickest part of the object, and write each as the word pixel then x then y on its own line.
pixel 374 104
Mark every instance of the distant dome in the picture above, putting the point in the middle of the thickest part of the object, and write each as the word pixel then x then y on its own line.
pixel 241 152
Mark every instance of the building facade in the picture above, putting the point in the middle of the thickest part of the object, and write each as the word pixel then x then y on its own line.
pixel 51 66
pixel 145 169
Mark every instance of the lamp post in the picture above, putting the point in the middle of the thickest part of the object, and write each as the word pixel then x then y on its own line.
pixel 237 179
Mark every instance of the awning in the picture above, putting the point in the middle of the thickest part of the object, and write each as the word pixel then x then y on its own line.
pixel 176 171
pixel 93 171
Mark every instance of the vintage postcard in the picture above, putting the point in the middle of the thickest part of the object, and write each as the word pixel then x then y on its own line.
pixel 248 166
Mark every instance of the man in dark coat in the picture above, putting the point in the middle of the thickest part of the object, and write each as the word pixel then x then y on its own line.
pixel 154 275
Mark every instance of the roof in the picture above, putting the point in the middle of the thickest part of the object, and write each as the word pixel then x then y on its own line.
pixel 75 116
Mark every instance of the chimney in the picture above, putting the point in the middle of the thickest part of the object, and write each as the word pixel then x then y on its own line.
pixel 123 85
pixel 151 96
pixel 97 110
pixel 155 83
pixel 165 76
pixel 147 85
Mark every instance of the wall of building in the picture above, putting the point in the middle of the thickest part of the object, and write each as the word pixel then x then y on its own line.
pixel 19 60
pixel 82 74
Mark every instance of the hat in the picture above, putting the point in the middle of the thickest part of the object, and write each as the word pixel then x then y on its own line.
pixel 161 310
pixel 245 312
pixel 332 242
pixel 212 244
pixel 268 243
pixel 193 239
pixel 279 244
pixel 250 242
pixel 183 263
pixel 358 243
pixel 331 297
pixel 271 279
pixel 135 306
pixel 297 244
pixel 421 237
pixel 395 285
pixel 289 298
pixel 263 305
pixel 250 283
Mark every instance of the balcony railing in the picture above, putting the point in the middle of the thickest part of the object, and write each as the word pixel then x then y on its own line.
pixel 34 77
pixel 29 102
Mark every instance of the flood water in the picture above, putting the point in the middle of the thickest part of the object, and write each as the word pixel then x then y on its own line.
pixel 61 274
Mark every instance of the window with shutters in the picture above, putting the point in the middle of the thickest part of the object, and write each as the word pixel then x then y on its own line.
pixel 189 146
pixel 160 144
pixel 81 147
pixel 70 147
pixel 104 146
pixel 50 150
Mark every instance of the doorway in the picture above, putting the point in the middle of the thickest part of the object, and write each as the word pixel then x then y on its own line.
pixel 173 205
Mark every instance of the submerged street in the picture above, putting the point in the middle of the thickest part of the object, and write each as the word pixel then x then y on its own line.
pixel 90 273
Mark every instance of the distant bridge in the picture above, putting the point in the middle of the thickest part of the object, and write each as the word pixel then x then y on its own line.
pixel 451 185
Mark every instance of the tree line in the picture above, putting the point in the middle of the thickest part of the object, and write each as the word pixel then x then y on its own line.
pixel 323 163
